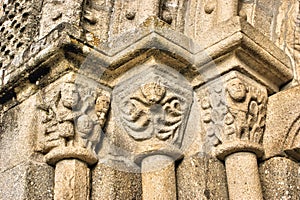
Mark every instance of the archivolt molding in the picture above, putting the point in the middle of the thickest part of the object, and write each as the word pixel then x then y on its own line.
pixel 292 141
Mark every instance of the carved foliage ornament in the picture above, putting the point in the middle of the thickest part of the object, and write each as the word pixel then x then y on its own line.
pixel 153 109
pixel 234 111
pixel 72 122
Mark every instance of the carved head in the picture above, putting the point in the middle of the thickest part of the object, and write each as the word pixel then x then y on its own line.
pixel 69 95
pixel 85 124
pixel 102 103
pixel 153 92
pixel 236 89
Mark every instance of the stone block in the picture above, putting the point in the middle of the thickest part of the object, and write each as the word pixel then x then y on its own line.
pixel 282 116
pixel 39 181
pixel 201 177
pixel 112 182
pixel 280 178
pixel 17 133
pixel 28 180
pixel 12 183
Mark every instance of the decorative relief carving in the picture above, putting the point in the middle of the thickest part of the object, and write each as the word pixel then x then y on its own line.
pixel 57 12
pixel 18 26
pixel 73 122
pixel 234 112
pixel 292 141
pixel 288 32
pixel 156 109
pixel 152 112
pixel 210 6
pixel 96 20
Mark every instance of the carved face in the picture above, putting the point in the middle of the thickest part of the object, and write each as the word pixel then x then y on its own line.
pixel 102 104
pixel 69 95
pixel 84 124
pixel 153 92
pixel 236 89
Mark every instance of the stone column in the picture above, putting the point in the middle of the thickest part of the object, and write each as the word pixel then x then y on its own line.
pixel 72 180
pixel 72 129
pixel 153 112
pixel 234 112
pixel 242 176
pixel 158 177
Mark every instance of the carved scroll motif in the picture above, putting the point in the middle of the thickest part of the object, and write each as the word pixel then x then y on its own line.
pixel 152 111
pixel 72 122
pixel 155 108
pixel 235 112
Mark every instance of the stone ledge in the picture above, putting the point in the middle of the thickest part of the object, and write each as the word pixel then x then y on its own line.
pixel 249 52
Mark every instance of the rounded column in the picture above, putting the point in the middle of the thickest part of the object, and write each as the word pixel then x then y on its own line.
pixel 242 176
pixel 158 178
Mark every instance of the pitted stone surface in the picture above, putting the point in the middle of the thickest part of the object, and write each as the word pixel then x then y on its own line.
pixel 280 178
pixel 107 99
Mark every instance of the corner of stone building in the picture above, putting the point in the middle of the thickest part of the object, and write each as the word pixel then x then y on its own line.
pixel 149 99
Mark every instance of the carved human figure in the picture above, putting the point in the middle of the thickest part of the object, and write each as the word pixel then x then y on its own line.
pixel 101 108
pixel 238 107
pixel 69 95
pixel 66 111
pixel 87 125
pixel 60 114
pixel 72 120
pixel 236 89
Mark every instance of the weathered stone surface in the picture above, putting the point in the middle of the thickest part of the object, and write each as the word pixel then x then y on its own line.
pixel 233 111
pixel 201 177
pixel 158 178
pixel 17 130
pixel 157 55
pixel 13 183
pixel 39 181
pixel 115 180
pixel 280 178
pixel 19 24
pixel 282 122
pixel 242 176
pixel 29 180
pixel 234 115
pixel 72 180
pixel 286 32
pixel 55 13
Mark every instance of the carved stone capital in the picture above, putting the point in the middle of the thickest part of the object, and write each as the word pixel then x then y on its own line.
pixel 73 123
pixel 234 113
pixel 152 108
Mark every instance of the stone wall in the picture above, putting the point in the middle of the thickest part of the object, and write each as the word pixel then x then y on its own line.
pixel 149 99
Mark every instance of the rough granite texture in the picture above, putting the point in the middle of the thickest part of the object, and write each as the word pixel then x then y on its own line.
pixel 149 99
pixel 280 178
pixel 201 177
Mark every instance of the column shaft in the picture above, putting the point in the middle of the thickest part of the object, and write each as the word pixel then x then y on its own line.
pixel 72 180
pixel 243 177
pixel 158 178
